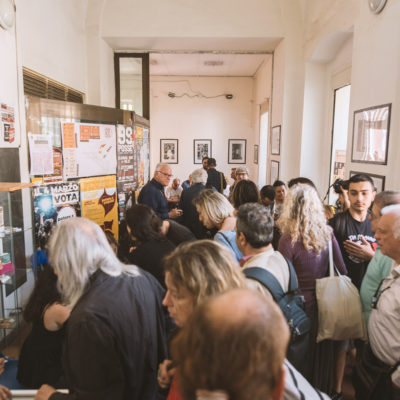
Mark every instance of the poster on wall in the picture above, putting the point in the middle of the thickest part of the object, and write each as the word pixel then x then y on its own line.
pixel 142 151
pixel 8 134
pixel 52 204
pixel 99 202
pixel 40 154
pixel 56 176
pixel 88 149
pixel 126 167
pixel 339 164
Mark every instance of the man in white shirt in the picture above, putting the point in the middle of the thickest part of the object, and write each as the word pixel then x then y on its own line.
pixel 384 322
pixel 173 193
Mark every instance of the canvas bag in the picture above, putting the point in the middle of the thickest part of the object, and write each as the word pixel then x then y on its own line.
pixel 339 306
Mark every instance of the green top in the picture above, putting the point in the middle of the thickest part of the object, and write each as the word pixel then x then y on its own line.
pixel 378 268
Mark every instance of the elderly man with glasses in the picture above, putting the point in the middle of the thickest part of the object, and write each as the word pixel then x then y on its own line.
pixel 153 194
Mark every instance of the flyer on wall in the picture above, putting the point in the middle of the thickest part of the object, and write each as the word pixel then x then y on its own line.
pixel 8 133
pixel 88 149
pixel 41 154
pixel 142 151
pixel 99 202
pixel 126 167
pixel 54 203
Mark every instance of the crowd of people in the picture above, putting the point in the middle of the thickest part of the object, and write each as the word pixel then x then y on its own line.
pixel 185 305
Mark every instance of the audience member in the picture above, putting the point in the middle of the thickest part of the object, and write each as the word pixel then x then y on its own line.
pixel 194 272
pixel 304 242
pixel 241 173
pixel 377 373
pixel 380 265
pixel 152 193
pixel 149 245
pixel 190 216
pixel 115 336
pixel 204 161
pixel 173 193
pixel 233 347
pixel 267 197
pixel 216 180
pixel 215 211
pixel 186 184
pixel 352 228
pixel 303 180
pixel 245 191
pixel 175 232
pixel 280 193
pixel 40 358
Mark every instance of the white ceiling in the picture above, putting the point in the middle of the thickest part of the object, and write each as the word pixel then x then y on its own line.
pixel 199 64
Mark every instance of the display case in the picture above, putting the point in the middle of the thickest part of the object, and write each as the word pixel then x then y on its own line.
pixel 15 231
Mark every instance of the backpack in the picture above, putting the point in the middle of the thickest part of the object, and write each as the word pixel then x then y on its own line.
pixel 292 305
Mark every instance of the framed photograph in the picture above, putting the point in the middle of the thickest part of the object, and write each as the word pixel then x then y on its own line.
pixel 169 151
pixel 276 140
pixel 255 154
pixel 237 151
pixel 201 148
pixel 379 180
pixel 274 172
pixel 371 135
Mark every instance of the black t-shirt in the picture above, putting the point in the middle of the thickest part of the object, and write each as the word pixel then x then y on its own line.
pixel 345 227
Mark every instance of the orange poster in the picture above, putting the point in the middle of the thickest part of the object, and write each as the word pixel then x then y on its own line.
pixel 68 131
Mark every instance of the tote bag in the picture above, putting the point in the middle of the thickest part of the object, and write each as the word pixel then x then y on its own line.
pixel 339 306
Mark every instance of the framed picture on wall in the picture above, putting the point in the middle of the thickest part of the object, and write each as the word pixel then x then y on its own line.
pixel 256 154
pixel 237 151
pixel 201 148
pixel 276 140
pixel 274 171
pixel 371 135
pixel 169 151
pixel 379 180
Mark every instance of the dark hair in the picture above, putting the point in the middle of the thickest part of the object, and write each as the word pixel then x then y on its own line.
pixel 110 238
pixel 303 180
pixel 268 191
pixel 362 178
pixel 256 223
pixel 143 223
pixel 204 158
pixel 211 162
pixel 278 183
pixel 44 293
pixel 244 191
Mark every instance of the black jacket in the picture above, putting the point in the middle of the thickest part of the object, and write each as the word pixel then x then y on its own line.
pixel 115 339
pixel 215 178
pixel 153 195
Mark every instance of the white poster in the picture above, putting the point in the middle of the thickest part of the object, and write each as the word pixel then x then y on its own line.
pixel 8 133
pixel 88 150
pixel 41 154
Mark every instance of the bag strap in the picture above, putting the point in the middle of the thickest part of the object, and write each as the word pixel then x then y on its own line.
pixel 266 279
pixel 227 240
pixel 332 266
pixel 293 283
pixel 222 184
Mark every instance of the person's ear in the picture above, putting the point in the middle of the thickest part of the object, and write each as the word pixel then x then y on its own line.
pixel 277 393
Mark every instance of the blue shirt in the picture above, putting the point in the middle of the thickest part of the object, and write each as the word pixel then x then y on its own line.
pixel 227 238
pixel 152 195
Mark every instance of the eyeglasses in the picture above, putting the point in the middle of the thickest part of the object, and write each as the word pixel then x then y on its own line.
pixel 169 175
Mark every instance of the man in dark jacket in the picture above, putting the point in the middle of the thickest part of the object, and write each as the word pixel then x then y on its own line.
pixel 153 195
pixel 216 180
pixel 116 333
pixel 190 215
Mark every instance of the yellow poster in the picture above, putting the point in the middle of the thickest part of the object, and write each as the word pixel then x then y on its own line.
pixel 99 202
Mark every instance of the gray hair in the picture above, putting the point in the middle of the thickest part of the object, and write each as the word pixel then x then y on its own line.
pixel 256 223
pixel 387 198
pixel 242 170
pixel 160 165
pixel 199 176
pixel 77 249
pixel 393 209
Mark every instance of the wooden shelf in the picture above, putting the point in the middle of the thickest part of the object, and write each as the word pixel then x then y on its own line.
pixel 13 186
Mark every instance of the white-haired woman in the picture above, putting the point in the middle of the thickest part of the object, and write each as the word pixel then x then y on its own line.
pixel 304 241
pixel 215 211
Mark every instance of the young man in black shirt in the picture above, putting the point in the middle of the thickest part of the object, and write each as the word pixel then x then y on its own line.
pixel 352 228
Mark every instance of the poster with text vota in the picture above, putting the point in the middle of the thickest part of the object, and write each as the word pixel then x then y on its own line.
pixel 142 151
pixel 126 167
pixel 99 202
pixel 88 149
pixel 52 204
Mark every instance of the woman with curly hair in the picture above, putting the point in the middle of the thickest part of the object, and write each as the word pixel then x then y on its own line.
pixel 304 241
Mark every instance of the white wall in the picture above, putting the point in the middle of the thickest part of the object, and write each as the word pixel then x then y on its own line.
pixel 186 118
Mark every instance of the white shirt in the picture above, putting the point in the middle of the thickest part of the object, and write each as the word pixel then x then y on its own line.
pixel 384 323
pixel 173 194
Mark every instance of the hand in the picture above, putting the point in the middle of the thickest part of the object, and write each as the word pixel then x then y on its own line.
pixel 44 392
pixel 175 213
pixel 5 394
pixel 2 362
pixel 363 251
pixel 165 374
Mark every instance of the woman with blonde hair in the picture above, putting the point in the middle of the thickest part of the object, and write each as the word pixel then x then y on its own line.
pixel 215 211
pixel 305 239
pixel 194 271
